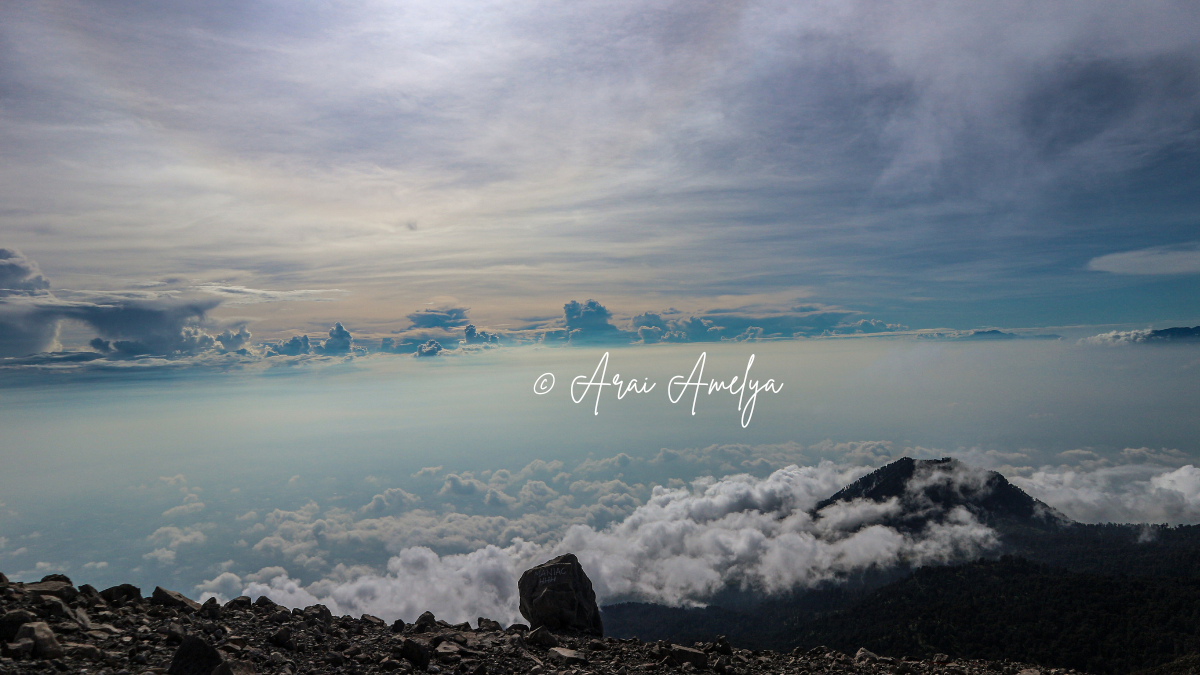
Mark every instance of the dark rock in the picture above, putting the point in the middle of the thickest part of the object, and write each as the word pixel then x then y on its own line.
pixel 373 621
pixel 425 622
pixel 120 595
pixel 264 602
pixel 12 621
pixel 45 644
pixel 55 587
pixel 193 657
pixel 174 599
pixel 682 655
pixel 398 626
pixel 211 609
pixel 281 616
pixel 240 602
pixel 83 651
pixel 234 668
pixel 517 628
pixel 489 625
pixel 58 577
pixel 3 579
pixel 283 638
pixel 542 638
pixel 17 649
pixel 415 652
pixel 566 656
pixel 318 614
pixel 558 595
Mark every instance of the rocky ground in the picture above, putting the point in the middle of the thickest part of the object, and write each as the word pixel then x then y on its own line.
pixel 52 626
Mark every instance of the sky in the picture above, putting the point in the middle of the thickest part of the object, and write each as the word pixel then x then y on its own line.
pixel 277 282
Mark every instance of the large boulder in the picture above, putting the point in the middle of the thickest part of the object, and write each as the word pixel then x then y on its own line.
pixel 120 595
pixel 194 656
pixel 173 599
pixel 558 595
pixel 45 644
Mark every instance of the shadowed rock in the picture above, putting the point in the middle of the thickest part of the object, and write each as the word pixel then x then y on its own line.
pixel 558 595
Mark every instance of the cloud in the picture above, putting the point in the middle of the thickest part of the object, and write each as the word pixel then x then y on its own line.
pixel 392 499
pixel 451 317
pixel 678 548
pixel 20 275
pixel 473 336
pixel 428 472
pixel 240 295
pixel 295 346
pixel 231 341
pixel 176 536
pixel 163 556
pixel 1132 493
pixel 1159 260
pixel 431 348
pixel 95 565
pixel 1146 336
pixel 184 509
pixel 223 587
pixel 339 342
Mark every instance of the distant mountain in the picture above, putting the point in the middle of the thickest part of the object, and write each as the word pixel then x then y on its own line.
pixel 929 489
pixel 1178 334
pixel 1107 598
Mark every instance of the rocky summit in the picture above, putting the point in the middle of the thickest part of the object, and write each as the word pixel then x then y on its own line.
pixel 51 626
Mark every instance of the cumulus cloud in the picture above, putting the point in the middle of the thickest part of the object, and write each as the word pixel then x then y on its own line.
pixel 20 275
pixel 1131 493
pixel 339 342
pixel 294 346
pixel 473 336
pixel 430 348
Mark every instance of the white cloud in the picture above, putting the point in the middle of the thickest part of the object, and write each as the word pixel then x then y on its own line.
pixel 163 556
pixel 1131 493
pixel 1151 261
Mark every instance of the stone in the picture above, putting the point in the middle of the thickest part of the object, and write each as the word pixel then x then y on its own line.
pixel 427 621
pixel 541 637
pixel 211 609
pixel 55 587
pixel 58 577
pixel 558 595
pixel 489 625
pixel 240 602
pixel 283 638
pixel 12 621
pixel 682 655
pixel 373 621
pixel 398 626
pixel 864 655
pixel 194 656
pixel 264 602
pixel 565 656
pixel 17 649
pixel 3 579
pixel 84 651
pixel 45 644
pixel 174 599
pixel 234 668
pixel 416 653
pixel 120 595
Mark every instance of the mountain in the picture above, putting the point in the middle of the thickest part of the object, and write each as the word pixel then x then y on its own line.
pixel 929 489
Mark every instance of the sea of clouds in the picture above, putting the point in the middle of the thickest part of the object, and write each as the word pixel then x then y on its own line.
pixel 460 552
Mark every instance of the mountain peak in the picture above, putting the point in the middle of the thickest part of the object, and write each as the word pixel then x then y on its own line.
pixel 928 489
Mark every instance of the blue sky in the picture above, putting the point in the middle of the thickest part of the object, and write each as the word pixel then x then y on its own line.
pixel 231 232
